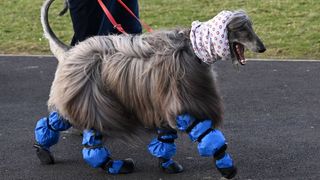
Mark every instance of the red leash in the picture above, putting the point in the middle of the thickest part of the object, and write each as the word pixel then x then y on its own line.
pixel 114 22
pixel 111 19
pixel 146 26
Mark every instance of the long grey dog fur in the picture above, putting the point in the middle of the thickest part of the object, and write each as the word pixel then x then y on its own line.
pixel 118 83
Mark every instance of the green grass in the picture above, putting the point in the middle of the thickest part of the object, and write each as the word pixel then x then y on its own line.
pixel 289 28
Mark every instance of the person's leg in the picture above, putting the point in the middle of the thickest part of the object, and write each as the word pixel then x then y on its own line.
pixel 212 143
pixel 122 16
pixel 47 134
pixel 86 16
pixel 164 148
pixel 98 156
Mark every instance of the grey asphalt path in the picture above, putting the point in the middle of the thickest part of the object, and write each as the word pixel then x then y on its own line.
pixel 272 123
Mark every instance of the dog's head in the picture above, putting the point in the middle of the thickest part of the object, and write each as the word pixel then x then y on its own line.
pixel 241 35
pixel 225 36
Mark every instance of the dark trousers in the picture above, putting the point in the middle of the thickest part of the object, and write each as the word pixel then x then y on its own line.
pixel 88 18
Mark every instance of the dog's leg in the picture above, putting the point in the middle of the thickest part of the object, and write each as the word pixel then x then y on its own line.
pixel 164 148
pixel 212 143
pixel 96 155
pixel 47 134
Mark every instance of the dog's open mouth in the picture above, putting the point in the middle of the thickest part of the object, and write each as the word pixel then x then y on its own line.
pixel 239 51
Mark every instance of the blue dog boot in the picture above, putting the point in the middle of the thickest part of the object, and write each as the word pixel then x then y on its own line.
pixel 45 137
pixel 47 134
pixel 224 163
pixel 211 142
pixel 169 166
pixel 164 149
pixel 96 155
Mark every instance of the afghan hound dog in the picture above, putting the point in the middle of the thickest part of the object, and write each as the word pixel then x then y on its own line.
pixel 113 85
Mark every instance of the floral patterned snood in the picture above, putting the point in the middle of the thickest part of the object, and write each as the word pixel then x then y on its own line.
pixel 210 39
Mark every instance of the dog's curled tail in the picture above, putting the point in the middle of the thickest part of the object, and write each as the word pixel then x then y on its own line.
pixel 57 47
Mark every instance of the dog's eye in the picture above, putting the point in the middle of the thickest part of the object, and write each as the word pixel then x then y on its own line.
pixel 246 35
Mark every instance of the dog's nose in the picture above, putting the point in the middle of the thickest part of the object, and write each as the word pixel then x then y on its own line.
pixel 261 50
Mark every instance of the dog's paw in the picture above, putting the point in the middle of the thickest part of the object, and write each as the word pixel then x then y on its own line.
pixel 127 167
pixel 113 167
pixel 228 173
pixel 44 155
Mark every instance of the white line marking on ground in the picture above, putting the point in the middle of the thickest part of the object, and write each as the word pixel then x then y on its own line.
pixel 286 60
pixel 25 55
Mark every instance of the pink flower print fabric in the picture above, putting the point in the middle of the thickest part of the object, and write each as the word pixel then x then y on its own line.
pixel 210 39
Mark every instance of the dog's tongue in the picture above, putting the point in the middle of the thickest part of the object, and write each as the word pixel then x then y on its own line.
pixel 240 52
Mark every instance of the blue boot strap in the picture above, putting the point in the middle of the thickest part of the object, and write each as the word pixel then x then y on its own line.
pixel 200 130
pixel 167 138
pixel 194 127
pixel 167 163
pixel 116 166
